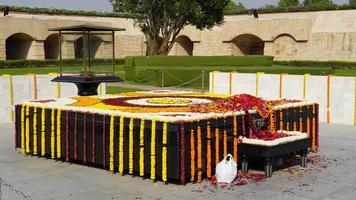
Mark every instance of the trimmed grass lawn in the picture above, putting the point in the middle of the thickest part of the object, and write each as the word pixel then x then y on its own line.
pixel 53 69
pixel 116 90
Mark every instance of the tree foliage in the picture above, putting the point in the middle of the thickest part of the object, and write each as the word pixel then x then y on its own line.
pixel 352 2
pixel 322 4
pixel 162 20
pixel 288 3
pixel 232 6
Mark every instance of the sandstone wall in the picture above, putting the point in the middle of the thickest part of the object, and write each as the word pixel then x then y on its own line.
pixel 326 35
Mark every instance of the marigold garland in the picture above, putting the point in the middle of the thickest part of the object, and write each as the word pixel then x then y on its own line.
pixel 121 145
pixel 43 132
pixel 142 146
pixel 153 150
pixel 225 139
pixel 164 150
pixel 27 132
pixel 192 155
pixel 217 157
pixel 35 152
pixel 236 140
pixel 131 129
pixel 23 148
pixel 281 120
pixel 208 154
pixel 313 129
pixel 111 144
pixel 272 120
pixel 59 133
pixel 85 138
pixel 53 130
pixel 199 152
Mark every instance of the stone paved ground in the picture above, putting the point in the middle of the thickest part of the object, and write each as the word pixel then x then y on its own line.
pixel 333 177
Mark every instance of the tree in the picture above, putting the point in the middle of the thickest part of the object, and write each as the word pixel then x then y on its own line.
pixel 318 3
pixel 162 20
pixel 352 2
pixel 233 7
pixel 288 3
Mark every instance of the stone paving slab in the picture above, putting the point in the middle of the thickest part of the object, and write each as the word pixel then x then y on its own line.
pixel 27 177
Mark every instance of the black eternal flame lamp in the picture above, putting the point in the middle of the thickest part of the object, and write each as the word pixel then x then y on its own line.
pixel 88 78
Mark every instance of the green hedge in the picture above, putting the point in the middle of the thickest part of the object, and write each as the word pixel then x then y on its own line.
pixel 56 11
pixel 46 63
pixel 185 68
pixel 268 9
pixel 299 8
pixel 309 63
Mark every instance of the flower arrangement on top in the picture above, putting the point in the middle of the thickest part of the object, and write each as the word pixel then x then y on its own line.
pixel 176 106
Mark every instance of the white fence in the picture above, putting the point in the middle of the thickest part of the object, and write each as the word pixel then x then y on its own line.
pixel 336 95
pixel 17 89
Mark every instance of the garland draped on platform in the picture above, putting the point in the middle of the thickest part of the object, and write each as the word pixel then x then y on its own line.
pixel 120 149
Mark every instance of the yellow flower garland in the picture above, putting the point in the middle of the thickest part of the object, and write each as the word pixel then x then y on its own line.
pixel 217 159
pixel 236 140
pixel 281 120
pixel 121 145
pixel 153 149
pixel 199 151
pixel 27 129
pixel 53 134
pixel 35 131
pixel 111 144
pixel 23 150
pixel 192 155
pixel 164 151
pixel 142 150
pixel 43 132
pixel 208 154
pixel 131 127
pixel 59 133
pixel 313 129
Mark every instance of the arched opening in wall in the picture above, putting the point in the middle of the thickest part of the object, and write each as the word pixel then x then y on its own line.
pixel 247 44
pixel 18 46
pixel 95 43
pixel 184 46
pixel 51 46
pixel 284 47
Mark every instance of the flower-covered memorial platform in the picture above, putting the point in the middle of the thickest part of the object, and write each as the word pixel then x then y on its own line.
pixel 164 135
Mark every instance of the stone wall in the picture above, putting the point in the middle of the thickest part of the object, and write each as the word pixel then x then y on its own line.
pixel 326 35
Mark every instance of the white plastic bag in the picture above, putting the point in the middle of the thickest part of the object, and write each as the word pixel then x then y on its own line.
pixel 226 170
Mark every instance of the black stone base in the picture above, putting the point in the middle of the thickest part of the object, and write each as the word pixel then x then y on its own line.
pixel 87 86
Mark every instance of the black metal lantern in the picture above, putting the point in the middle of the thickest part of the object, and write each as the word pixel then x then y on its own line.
pixel 85 40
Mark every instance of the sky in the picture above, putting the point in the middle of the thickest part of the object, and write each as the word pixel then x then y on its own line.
pixel 104 5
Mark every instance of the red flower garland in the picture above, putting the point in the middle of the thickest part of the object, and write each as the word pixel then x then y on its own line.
pixel 85 138
pixel 93 140
pixel 104 135
pixel 75 135
pixel 67 137
pixel 182 153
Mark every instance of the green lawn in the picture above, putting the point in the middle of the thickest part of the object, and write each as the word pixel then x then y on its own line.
pixel 116 90
pixel 47 70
